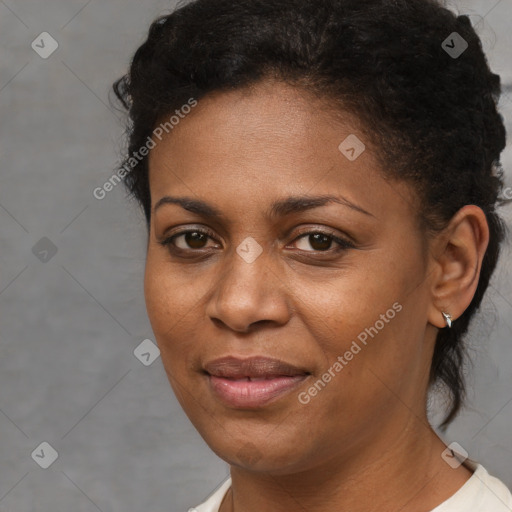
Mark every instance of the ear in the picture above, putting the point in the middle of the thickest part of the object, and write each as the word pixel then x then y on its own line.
pixel 457 259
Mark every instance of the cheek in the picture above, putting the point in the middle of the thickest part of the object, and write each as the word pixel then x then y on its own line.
pixel 172 296
pixel 170 307
pixel 175 302
pixel 370 316
pixel 160 303
pixel 170 312
pixel 343 306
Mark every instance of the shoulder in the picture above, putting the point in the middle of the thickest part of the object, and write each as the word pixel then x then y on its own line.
pixel 213 502
pixel 481 493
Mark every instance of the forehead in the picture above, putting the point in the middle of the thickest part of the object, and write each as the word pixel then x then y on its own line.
pixel 273 115
pixel 265 142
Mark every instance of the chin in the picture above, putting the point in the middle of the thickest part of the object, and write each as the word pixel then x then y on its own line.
pixel 260 455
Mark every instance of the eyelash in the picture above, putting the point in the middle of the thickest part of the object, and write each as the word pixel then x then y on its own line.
pixel 343 244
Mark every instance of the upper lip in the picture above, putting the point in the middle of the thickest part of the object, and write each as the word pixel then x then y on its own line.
pixel 232 367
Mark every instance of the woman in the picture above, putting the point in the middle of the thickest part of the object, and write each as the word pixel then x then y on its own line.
pixel 319 181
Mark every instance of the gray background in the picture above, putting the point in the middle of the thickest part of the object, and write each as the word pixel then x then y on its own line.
pixel 69 326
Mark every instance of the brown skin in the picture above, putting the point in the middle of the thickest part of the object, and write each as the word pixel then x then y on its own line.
pixel 363 443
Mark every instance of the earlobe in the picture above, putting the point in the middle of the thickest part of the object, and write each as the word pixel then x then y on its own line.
pixel 461 248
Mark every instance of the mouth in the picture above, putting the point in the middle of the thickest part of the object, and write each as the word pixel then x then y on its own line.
pixel 254 382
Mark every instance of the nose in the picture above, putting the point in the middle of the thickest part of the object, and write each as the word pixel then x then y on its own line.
pixel 247 294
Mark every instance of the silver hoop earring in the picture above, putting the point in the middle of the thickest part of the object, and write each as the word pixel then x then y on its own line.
pixel 447 319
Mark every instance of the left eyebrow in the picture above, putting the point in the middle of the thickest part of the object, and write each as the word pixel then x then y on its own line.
pixel 280 208
pixel 297 204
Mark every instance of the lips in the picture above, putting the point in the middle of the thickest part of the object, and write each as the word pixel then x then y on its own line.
pixel 252 382
pixel 253 368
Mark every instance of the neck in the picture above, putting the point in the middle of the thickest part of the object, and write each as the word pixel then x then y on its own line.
pixel 388 472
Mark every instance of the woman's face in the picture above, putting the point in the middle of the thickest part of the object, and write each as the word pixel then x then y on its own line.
pixel 349 316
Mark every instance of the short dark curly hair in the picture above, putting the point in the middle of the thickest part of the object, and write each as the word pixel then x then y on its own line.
pixel 431 114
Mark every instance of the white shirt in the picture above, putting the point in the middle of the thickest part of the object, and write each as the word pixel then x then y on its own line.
pixel 481 493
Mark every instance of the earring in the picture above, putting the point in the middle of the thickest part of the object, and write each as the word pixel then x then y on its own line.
pixel 447 318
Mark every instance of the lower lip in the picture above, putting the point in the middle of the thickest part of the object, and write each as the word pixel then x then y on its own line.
pixel 252 394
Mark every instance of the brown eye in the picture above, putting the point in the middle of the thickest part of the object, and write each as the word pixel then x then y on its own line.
pixel 194 239
pixel 322 242
pixel 318 241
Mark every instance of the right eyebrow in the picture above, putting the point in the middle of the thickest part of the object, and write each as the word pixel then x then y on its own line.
pixel 192 205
